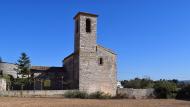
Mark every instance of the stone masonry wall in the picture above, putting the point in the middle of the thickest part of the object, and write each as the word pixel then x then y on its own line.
pixel 3 84
pixel 86 42
pixel 71 73
pixel 9 68
pixel 34 93
pixel 86 51
pixel 136 93
pixel 106 74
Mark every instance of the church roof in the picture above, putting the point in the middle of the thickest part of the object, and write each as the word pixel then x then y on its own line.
pixel 69 56
pixel 40 68
pixel 106 49
pixel 86 14
pixel 46 69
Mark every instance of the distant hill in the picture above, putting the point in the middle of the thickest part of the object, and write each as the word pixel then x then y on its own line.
pixel 186 81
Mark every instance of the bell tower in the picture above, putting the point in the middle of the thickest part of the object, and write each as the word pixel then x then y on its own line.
pixel 85 50
pixel 91 67
pixel 85 32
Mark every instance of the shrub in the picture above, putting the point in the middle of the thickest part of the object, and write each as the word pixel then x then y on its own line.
pixel 184 93
pixel 121 96
pixel 164 89
pixel 76 94
pixel 21 84
pixel 84 95
pixel 99 95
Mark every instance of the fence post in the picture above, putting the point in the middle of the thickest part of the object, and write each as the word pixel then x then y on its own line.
pixel 41 84
pixel 22 90
pixel 34 86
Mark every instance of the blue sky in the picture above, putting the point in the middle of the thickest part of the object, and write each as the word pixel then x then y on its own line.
pixel 151 37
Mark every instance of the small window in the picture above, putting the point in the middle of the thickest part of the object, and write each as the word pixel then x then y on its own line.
pixel 101 61
pixel 88 25
pixel 76 26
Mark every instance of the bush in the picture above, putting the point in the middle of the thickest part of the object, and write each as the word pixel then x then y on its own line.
pixel 21 84
pixel 184 93
pixel 165 89
pixel 84 95
pixel 76 94
pixel 99 95
pixel 120 96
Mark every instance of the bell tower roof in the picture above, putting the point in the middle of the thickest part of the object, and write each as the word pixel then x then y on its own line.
pixel 85 14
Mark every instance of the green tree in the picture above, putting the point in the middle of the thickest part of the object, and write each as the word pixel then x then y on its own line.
pixel 23 69
pixel 23 65
pixel 138 83
pixel 184 93
pixel 165 89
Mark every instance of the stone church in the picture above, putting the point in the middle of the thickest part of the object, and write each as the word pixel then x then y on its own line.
pixel 89 68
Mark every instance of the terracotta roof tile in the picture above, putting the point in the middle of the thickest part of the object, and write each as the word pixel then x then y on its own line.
pixel 40 68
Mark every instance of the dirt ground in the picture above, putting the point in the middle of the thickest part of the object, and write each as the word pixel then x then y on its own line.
pixel 60 102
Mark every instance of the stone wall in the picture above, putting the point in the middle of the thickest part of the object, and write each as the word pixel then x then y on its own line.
pixel 106 74
pixel 136 93
pixel 71 74
pixel 8 68
pixel 3 84
pixel 36 93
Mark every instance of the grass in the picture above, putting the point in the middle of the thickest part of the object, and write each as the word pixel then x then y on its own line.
pixel 60 102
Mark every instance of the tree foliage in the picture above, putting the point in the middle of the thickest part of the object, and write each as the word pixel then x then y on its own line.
pixel 23 69
pixel 184 93
pixel 21 84
pixel 138 83
pixel 165 89
pixel 23 65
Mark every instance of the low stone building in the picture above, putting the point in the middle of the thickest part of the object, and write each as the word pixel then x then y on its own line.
pixel 89 68
pixel 49 78
pixel 8 69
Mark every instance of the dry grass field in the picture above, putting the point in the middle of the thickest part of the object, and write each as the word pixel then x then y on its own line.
pixel 59 102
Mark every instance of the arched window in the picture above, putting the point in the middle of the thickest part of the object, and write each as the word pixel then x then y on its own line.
pixel 88 25
pixel 100 61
